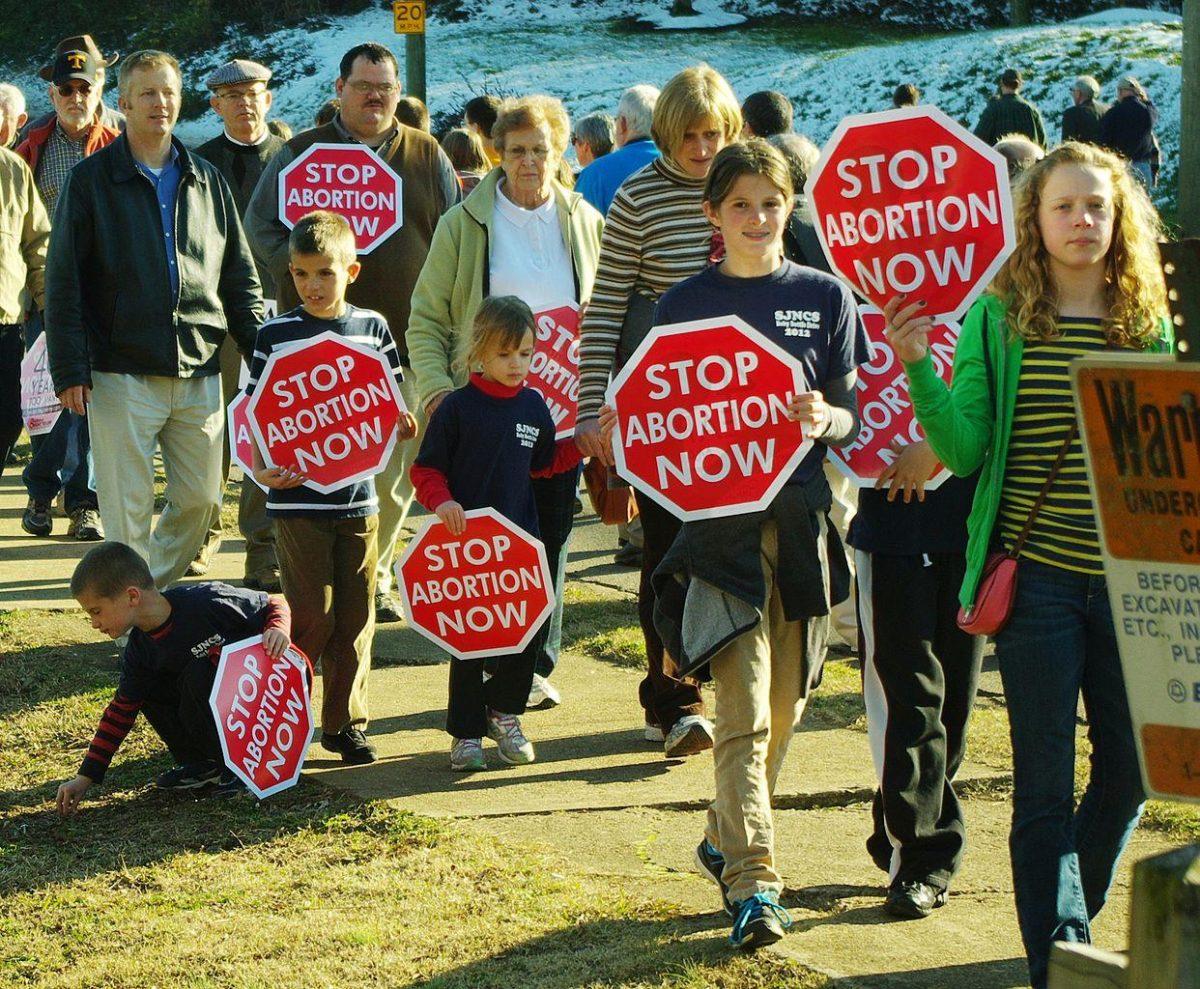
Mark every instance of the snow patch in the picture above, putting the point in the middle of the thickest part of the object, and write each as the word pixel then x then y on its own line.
pixel 709 14
pixel 1129 15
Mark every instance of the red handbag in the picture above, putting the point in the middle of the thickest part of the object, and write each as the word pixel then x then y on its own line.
pixel 997 587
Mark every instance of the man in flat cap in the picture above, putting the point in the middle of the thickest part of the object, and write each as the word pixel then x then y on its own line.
pixel 240 97
pixel 1011 113
pixel 1081 120
pixel 52 148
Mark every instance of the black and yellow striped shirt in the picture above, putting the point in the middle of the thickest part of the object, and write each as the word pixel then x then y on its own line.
pixel 1064 534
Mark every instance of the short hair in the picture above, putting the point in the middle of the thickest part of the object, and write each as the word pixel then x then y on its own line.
pixel 1020 152
pixel 637 107
pixel 906 94
pixel 800 154
pixel 692 95
pixel 12 99
pixel 530 111
pixel 501 321
pixel 596 131
pixel 373 52
pixel 323 232
pixel 1011 78
pixel 465 150
pixel 1087 84
pixel 147 58
pixel 280 128
pixel 414 113
pixel 767 112
pixel 327 111
pixel 108 569
pixel 752 157
pixel 481 111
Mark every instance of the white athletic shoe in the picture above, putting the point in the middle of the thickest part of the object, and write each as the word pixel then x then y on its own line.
pixel 689 735
pixel 505 731
pixel 542 693
pixel 653 733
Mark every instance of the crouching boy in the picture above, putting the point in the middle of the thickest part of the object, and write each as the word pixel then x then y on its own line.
pixel 169 663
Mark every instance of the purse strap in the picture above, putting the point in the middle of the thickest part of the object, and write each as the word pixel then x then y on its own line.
pixel 1041 498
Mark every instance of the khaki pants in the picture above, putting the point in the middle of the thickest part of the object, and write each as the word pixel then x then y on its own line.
pixel 395 490
pixel 129 417
pixel 760 700
pixel 328 570
pixel 844 616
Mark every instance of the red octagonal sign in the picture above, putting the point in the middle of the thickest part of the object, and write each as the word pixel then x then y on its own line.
pixel 702 423
pixel 241 441
pixel 484 593
pixel 327 408
pixel 350 180
pixel 907 201
pixel 554 370
pixel 263 714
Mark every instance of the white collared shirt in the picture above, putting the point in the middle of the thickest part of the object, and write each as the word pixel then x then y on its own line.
pixel 528 257
pixel 242 144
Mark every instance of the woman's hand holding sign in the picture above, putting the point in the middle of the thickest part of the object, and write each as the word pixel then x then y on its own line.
pixel 909 472
pixel 812 412
pixel 907 330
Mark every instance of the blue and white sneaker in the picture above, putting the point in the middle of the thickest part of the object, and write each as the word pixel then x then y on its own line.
pixel 711 864
pixel 760 921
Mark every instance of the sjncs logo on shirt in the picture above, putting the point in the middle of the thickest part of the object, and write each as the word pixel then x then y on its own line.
pixel 797 322
pixel 527 435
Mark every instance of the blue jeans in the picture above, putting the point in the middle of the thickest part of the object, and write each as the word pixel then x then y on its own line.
pixel 1058 644
pixel 62 457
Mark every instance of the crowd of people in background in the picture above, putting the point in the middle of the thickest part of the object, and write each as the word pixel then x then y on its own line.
pixel 157 272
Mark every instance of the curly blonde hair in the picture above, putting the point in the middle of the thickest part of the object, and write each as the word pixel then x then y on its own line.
pixel 1135 294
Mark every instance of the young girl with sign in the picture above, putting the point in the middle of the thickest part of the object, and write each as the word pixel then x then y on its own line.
pixel 484 442
pixel 1084 278
pixel 774 574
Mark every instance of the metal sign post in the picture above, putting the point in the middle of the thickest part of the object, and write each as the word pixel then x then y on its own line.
pixel 408 18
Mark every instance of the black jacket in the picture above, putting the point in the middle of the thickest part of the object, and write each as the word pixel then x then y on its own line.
pixel 1082 122
pixel 109 305
pixel 1128 128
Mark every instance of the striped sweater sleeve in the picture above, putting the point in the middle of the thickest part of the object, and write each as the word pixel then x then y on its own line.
pixel 115 724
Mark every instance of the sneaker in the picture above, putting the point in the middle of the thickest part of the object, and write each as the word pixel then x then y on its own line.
pixel 189 777
pixel 466 755
pixel 711 864
pixel 505 731
pixel 542 693
pixel 229 785
pixel 208 549
pixel 759 921
pixel 351 744
pixel 267 579
pixel 86 525
pixel 387 609
pixel 629 556
pixel 36 520
pixel 913 900
pixel 689 735
pixel 652 733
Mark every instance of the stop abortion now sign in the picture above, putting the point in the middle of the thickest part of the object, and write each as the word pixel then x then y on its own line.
pixel 554 370
pixel 908 201
pixel 483 593
pixel 884 407
pixel 350 180
pixel 328 409
pixel 702 423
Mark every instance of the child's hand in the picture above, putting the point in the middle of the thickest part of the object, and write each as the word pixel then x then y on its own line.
pixel 608 424
pixel 407 427
pixel 275 642
pixel 908 473
pixel 453 517
pixel 812 412
pixel 280 478
pixel 70 793
pixel 907 330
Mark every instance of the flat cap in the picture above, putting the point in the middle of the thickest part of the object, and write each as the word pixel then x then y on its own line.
pixel 239 71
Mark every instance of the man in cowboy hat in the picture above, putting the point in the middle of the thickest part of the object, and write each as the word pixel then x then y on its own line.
pixel 53 147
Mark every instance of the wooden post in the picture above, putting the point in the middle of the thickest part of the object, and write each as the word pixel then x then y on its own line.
pixel 1019 12
pixel 414 66
pixel 1189 137
pixel 1080 966
pixel 1164 951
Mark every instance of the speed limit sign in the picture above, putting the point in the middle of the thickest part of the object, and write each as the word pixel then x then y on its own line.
pixel 409 16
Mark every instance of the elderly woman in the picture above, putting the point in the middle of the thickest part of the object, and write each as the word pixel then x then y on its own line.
pixel 656 234
pixel 522 233
pixel 593 138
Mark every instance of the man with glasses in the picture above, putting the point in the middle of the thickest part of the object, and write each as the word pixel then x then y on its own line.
pixel 61 458
pixel 241 151
pixel 369 91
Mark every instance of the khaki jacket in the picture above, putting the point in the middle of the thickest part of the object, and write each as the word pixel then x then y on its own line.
pixel 24 237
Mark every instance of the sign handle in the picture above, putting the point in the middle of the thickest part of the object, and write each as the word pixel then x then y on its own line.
pixel 414 65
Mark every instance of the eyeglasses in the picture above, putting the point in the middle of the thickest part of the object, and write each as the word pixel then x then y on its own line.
pixel 237 95
pixel 74 87
pixel 516 153
pixel 382 89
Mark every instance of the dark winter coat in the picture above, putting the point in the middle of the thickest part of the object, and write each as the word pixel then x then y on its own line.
pixel 1128 128
pixel 1007 114
pixel 1082 122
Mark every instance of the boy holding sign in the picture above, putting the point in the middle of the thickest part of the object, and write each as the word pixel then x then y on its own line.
pixel 327 542
pixel 169 663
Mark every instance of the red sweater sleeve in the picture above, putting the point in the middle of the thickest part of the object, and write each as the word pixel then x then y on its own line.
pixel 566 457
pixel 279 615
pixel 115 724
pixel 431 487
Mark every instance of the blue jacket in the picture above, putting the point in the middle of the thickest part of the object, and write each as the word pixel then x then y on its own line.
pixel 599 182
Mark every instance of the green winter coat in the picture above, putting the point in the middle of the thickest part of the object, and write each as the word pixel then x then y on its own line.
pixel 454 281
pixel 966 428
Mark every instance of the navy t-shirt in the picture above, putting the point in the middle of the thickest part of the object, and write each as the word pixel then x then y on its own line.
pixel 808 313
pixel 204 618
pixel 486 446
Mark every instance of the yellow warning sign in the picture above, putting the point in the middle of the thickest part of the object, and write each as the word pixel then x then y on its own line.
pixel 409 16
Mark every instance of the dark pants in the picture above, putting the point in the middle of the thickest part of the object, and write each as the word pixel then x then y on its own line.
pixel 12 350
pixel 1058 644
pixel 555 499
pixel 664 698
pixel 920 674
pixel 506 689
pixel 178 711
